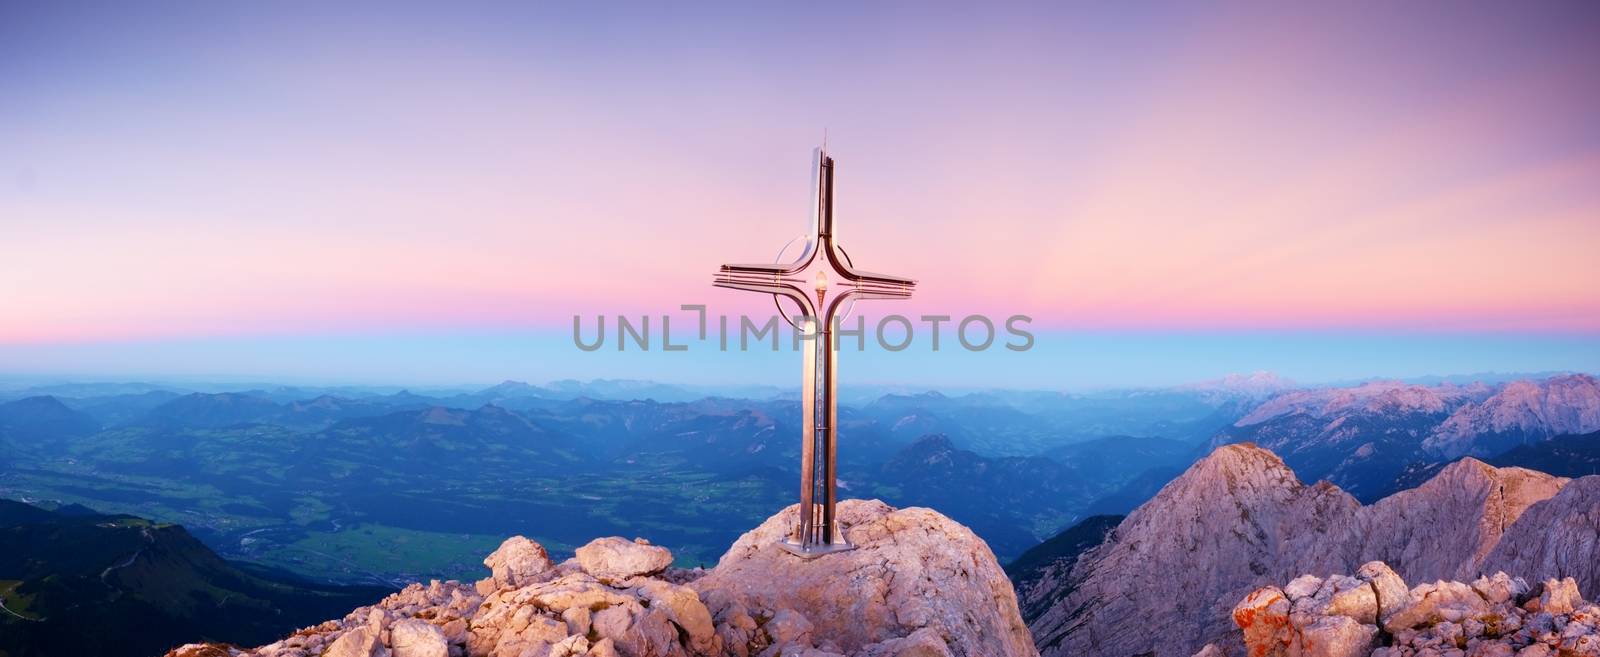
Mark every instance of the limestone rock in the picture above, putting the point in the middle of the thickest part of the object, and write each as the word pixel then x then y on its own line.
pixel 1263 615
pixel 1239 519
pixel 1520 412
pixel 1560 596
pixel 912 568
pixel 1499 588
pixel 1303 586
pixel 1336 636
pixel 359 642
pixel 1236 520
pixel 1439 619
pixel 518 562
pixel 683 607
pixel 925 642
pixel 919 585
pixel 614 557
pixel 416 638
pixel 1558 537
pixel 1438 602
pixel 1387 587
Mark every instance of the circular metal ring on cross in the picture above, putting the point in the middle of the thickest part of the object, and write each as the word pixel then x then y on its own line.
pixel 776 303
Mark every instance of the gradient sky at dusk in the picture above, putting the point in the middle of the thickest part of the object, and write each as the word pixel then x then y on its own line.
pixel 303 191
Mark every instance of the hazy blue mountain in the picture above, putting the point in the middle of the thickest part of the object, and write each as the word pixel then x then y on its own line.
pixel 210 410
pixel 69 390
pixel 1116 460
pixel 336 485
pixel 325 410
pixel 1134 492
pixel 44 419
pixel 111 410
pixel 1565 456
pixel 1010 501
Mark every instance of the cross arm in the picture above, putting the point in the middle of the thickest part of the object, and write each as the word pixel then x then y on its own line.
pixel 768 286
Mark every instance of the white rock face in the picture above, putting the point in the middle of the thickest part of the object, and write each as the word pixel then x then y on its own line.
pixel 919 585
pixel 1445 528
pixel 519 561
pixel 1556 537
pixel 617 558
pixel 1372 397
pixel 411 637
pixel 1521 411
pixel 1164 580
pixel 912 568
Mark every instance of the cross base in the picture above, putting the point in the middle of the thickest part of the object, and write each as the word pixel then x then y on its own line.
pixel 814 551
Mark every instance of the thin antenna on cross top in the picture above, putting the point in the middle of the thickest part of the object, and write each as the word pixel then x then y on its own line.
pixel 824 139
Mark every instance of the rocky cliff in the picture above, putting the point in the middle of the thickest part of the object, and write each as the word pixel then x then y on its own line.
pixel 1371 439
pixel 918 585
pixel 1521 412
pixel 1166 579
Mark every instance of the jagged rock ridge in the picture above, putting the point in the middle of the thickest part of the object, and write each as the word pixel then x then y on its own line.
pixel 918 585
pixel 1167 577
pixel 1369 439
pixel 1520 412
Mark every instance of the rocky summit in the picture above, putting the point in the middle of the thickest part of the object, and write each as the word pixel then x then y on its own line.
pixel 1373 614
pixel 918 585
pixel 1165 580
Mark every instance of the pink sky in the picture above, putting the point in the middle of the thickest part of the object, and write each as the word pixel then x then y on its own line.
pixel 1246 170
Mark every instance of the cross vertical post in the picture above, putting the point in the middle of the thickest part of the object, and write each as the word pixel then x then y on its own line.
pixel 834 280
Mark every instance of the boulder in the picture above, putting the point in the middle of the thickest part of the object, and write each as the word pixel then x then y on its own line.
pixel 1336 636
pixel 518 562
pixel 926 642
pixel 1303 586
pixel 1499 588
pixel 1560 596
pixel 911 569
pixel 683 607
pixel 614 557
pixel 1429 604
pixel 1388 589
pixel 1263 615
pixel 359 642
pixel 417 638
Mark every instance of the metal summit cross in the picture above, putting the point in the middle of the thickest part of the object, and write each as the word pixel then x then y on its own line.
pixel 822 268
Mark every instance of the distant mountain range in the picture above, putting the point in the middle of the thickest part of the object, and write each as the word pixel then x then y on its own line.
pixel 283 474
pixel 381 487
pixel 1366 438
pixel 264 475
pixel 76 582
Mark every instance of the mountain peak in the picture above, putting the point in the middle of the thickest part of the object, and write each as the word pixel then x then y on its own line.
pixel 40 417
pixel 1239 519
pixel 1239 461
pixel 917 583
pixel 1259 384
pixel 933 442
pixel 1519 412
pixel 38 403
